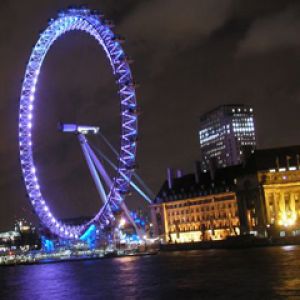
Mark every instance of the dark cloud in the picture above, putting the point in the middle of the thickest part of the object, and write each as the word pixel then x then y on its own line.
pixel 176 22
pixel 161 28
pixel 277 31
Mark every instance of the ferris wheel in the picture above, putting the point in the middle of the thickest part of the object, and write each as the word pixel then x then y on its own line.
pixel 82 19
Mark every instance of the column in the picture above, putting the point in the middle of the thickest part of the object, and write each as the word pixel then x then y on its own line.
pixel 282 202
pixel 165 221
pixel 292 201
pixel 276 205
pixel 267 200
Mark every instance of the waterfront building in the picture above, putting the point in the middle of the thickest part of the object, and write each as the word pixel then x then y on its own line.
pixel 212 217
pixel 9 236
pixel 260 197
pixel 23 226
pixel 191 212
pixel 226 135
pixel 282 200
pixel 268 191
pixel 24 237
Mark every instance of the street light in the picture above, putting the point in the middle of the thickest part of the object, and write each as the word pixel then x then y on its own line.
pixel 122 223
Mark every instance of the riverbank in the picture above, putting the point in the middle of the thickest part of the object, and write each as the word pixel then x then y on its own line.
pixel 232 243
pixel 14 260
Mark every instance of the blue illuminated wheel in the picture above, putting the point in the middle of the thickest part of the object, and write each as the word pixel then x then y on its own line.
pixel 93 24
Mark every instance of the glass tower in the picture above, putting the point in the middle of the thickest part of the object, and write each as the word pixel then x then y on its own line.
pixel 227 136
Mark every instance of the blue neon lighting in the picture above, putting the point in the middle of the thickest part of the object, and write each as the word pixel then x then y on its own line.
pixel 91 23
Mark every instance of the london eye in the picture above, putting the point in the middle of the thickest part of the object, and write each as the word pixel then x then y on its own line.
pixel 111 190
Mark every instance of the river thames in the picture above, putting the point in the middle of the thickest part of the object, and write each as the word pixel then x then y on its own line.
pixel 261 273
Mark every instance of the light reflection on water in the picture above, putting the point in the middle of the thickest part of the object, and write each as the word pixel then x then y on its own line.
pixel 289 248
pixel 262 273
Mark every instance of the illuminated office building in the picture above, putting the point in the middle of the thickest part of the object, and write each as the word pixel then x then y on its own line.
pixel 227 136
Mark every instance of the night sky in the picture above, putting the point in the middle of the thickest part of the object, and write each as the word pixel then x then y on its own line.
pixel 189 56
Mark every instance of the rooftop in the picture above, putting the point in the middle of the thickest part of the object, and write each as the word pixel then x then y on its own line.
pixel 223 180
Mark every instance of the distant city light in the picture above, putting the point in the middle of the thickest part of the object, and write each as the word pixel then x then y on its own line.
pixel 122 222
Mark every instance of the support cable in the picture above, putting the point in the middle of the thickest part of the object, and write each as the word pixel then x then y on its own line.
pixel 100 153
pixel 137 177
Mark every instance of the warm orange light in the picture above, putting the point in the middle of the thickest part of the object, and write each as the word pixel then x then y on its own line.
pixel 287 219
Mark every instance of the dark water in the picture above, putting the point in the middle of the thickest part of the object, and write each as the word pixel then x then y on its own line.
pixel 266 273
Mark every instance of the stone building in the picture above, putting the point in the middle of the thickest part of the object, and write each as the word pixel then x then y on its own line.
pixel 260 197
pixel 267 188
pixel 190 209
pixel 282 201
pixel 210 217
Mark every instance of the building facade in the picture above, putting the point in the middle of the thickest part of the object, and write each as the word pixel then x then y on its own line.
pixel 226 135
pixel 260 197
pixel 267 189
pixel 210 217
pixel 282 200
